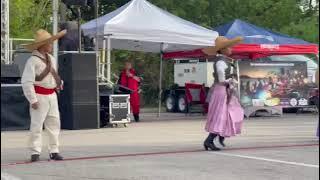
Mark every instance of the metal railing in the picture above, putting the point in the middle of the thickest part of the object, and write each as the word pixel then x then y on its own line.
pixel 13 50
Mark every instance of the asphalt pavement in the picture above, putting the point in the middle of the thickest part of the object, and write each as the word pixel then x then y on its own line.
pixel 170 148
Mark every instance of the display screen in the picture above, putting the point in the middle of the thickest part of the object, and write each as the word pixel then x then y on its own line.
pixel 269 83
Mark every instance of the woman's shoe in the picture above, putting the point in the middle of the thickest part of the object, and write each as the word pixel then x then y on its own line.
pixel 211 146
pixel 136 117
pixel 221 141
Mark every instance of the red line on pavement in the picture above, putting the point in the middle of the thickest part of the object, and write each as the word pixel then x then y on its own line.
pixel 157 153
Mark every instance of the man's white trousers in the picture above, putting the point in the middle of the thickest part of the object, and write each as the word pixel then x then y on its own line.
pixel 46 115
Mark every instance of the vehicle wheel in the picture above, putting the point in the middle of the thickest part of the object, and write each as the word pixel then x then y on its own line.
pixel 182 104
pixel 170 103
pixel 125 125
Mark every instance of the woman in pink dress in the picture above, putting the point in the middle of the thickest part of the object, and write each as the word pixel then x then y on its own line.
pixel 225 113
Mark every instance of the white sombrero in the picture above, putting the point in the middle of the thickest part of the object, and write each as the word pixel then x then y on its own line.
pixel 42 37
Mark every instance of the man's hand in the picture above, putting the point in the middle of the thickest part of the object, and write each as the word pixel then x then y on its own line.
pixel 35 105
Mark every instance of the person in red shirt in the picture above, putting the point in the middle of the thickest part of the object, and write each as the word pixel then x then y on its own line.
pixel 129 79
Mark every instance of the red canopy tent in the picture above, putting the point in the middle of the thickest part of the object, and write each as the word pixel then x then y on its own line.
pixel 252 51
pixel 258 42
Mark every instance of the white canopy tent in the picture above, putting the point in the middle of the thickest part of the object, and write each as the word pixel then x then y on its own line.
pixel 141 26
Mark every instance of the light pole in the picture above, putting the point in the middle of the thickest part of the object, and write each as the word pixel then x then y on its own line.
pixel 55 5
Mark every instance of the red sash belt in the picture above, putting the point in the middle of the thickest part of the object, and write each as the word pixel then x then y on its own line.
pixel 43 91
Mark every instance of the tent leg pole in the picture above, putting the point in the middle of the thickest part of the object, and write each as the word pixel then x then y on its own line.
pixel 108 60
pixel 160 82
pixel 238 78
pixel 103 59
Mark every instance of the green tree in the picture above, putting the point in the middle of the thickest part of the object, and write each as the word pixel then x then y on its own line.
pixel 26 16
pixel 306 29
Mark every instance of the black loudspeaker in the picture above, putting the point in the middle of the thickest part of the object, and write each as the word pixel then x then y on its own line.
pixel 104 93
pixel 78 101
pixel 14 108
pixel 10 74
pixel 20 59
pixel 70 41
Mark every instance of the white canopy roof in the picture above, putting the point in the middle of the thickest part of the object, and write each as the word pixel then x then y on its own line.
pixel 141 26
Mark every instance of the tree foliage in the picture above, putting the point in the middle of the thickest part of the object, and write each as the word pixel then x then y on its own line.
pixel 26 16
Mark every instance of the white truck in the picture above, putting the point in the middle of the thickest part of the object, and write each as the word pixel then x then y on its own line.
pixel 187 71
pixel 200 71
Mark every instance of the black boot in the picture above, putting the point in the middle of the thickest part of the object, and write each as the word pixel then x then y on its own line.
pixel 35 157
pixel 56 156
pixel 221 141
pixel 136 117
pixel 209 144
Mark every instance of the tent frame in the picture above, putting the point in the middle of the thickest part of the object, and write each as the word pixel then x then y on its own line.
pixel 157 45
pixel 106 47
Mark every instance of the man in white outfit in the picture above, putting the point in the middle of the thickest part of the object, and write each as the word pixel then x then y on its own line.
pixel 40 81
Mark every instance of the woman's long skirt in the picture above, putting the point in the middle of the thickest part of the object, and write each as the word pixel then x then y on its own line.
pixel 224 119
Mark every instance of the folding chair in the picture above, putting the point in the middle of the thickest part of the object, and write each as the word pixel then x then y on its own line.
pixel 196 97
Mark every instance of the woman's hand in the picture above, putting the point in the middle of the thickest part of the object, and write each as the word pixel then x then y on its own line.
pixel 227 84
pixel 136 78
pixel 128 73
